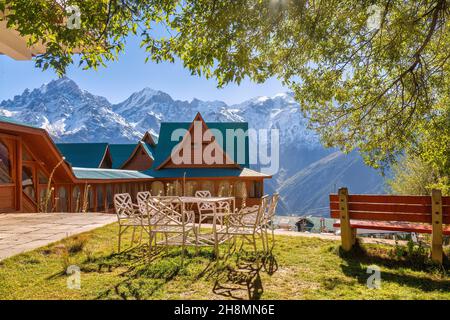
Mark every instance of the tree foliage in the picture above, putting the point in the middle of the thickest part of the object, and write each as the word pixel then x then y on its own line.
pixel 411 175
pixel 427 164
pixel 379 89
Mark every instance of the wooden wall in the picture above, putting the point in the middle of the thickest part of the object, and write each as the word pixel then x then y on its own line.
pixel 141 161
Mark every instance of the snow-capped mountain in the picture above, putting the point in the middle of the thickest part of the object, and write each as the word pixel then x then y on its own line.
pixel 71 114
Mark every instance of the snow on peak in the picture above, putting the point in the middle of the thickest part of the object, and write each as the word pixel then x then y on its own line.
pixel 262 99
pixel 148 92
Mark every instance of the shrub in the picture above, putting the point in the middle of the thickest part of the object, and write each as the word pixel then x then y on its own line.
pixel 76 243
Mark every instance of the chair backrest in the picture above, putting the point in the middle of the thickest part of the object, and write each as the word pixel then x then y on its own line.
pixel 123 205
pixel 142 199
pixel 270 213
pixel 203 194
pixel 253 216
pixel 250 214
pixel 206 207
pixel 223 207
pixel 165 211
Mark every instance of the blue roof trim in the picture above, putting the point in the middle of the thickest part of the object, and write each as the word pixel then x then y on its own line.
pixel 204 173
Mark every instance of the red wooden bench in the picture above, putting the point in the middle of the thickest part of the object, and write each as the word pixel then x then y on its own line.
pixel 420 214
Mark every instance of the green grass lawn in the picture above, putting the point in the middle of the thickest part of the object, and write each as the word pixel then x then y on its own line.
pixel 300 268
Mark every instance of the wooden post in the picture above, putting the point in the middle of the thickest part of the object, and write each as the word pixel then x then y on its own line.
pixel 436 220
pixel 348 236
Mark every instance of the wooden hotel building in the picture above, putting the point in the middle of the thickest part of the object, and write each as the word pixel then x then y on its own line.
pixel 38 175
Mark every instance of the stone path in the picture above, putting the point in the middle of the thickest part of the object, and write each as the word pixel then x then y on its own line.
pixel 20 232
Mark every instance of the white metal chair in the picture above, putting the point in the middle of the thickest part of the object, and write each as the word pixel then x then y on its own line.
pixel 247 223
pixel 217 213
pixel 167 216
pixel 142 199
pixel 128 215
pixel 203 194
pixel 268 221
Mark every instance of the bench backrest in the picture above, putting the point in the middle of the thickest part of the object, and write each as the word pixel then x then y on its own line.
pixel 390 208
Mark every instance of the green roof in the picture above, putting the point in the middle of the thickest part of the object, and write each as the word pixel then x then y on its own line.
pixel 106 174
pixel 86 155
pixel 120 153
pixel 165 144
pixel 13 121
pixel 203 173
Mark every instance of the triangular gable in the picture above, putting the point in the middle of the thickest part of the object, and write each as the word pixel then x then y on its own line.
pixel 140 159
pixel 148 138
pixel 198 148
pixel 106 162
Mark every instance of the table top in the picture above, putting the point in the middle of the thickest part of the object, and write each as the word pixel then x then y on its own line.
pixel 208 199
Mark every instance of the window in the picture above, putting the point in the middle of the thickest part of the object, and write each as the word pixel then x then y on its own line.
pixel 255 189
pixel 90 199
pixel 258 189
pixel 76 199
pixel 25 155
pixel 62 199
pixel 5 164
pixel 224 189
pixel 28 182
pixel 157 188
pixel 109 196
pixel 170 189
pixel 42 178
pixel 240 190
pixel 209 186
pixel 100 199
pixel 177 187
pixel 134 191
pixel 191 187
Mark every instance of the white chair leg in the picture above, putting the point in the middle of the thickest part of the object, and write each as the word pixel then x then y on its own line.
pixel 140 236
pixel 120 236
pixel 132 237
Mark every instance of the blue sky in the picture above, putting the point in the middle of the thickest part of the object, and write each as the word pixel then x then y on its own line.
pixel 130 74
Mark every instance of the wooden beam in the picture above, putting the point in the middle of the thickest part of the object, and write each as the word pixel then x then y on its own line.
pixel 348 236
pixel 18 162
pixel 436 220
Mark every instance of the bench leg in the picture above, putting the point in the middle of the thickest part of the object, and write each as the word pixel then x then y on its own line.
pixel 348 238
pixel 348 234
pixel 436 220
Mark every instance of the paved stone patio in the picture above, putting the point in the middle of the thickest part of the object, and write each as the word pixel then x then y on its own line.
pixel 20 232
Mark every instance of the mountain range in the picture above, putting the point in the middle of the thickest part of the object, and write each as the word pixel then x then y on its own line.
pixel 307 172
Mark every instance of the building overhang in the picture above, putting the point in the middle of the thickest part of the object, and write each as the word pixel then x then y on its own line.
pixel 14 45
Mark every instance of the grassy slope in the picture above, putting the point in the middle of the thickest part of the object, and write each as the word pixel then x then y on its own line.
pixel 302 268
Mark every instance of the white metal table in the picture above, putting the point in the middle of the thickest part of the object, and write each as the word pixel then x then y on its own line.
pixel 210 238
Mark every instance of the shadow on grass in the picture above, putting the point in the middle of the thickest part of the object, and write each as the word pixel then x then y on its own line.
pixel 235 275
pixel 143 274
pixel 243 279
pixel 359 258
